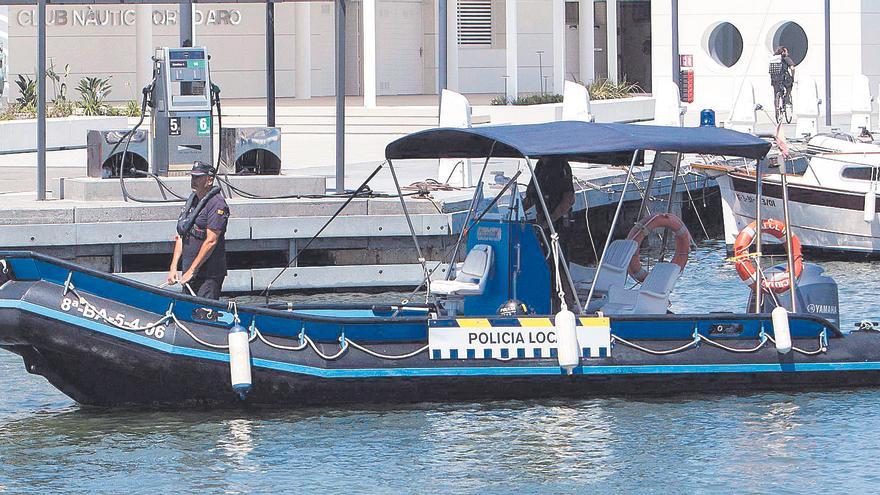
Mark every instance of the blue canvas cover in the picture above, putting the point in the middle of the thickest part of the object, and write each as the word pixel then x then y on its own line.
pixel 574 140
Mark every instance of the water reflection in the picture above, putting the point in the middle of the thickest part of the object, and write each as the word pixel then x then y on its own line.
pixel 239 442
pixel 540 442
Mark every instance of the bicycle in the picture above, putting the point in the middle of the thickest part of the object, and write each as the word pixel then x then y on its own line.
pixel 782 104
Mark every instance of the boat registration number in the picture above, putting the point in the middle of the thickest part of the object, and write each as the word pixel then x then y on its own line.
pixel 72 306
pixel 750 198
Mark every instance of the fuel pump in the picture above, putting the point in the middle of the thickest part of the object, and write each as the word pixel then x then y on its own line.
pixel 181 101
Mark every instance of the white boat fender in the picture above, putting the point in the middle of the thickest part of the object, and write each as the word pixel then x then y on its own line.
pixel 781 332
pixel 240 359
pixel 870 204
pixel 567 350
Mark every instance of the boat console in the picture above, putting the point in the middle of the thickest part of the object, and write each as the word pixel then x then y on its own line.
pixel 504 263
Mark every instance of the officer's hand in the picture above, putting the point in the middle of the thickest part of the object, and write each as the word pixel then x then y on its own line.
pixel 187 276
pixel 173 277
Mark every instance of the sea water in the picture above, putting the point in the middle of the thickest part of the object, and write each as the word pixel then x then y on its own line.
pixel 687 443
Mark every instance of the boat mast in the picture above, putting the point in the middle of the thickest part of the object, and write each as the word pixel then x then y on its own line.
pixel 629 175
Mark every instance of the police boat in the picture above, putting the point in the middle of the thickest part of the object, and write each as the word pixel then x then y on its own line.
pixel 486 332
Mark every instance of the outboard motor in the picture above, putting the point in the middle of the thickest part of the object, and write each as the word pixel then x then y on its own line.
pixel 816 295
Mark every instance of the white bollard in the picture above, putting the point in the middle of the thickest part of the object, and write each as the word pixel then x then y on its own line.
pixel 567 349
pixel 576 103
pixel 743 116
pixel 455 111
pixel 806 107
pixel 862 104
pixel 781 332
pixel 668 109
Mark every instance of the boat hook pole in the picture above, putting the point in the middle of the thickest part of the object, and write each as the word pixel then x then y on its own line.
pixel 355 194
pixel 562 260
pixel 629 174
pixel 788 233
pixel 759 197
pixel 470 211
pixel 412 231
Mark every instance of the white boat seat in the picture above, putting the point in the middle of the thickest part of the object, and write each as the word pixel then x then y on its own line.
pixel 471 277
pixel 613 273
pixel 649 299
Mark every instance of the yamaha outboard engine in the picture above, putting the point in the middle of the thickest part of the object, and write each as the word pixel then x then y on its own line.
pixel 816 295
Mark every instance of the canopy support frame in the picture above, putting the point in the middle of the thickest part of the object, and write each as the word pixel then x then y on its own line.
pixel 477 192
pixel 614 221
pixel 553 233
pixel 412 232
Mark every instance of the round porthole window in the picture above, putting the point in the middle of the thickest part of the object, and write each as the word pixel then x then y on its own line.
pixel 725 44
pixel 792 36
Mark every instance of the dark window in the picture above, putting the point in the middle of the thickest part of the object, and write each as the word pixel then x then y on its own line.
pixel 725 44
pixel 857 173
pixel 792 36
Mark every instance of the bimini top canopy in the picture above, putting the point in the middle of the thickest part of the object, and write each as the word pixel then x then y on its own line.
pixel 574 140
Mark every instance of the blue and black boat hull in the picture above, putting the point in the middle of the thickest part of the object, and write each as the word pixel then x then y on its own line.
pixel 97 362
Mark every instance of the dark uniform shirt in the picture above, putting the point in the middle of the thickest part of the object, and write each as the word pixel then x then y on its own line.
pixel 214 216
pixel 554 176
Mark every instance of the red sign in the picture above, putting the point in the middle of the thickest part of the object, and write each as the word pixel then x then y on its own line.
pixel 686 60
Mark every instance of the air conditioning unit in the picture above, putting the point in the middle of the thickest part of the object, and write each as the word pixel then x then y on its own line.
pixel 251 150
pixel 102 164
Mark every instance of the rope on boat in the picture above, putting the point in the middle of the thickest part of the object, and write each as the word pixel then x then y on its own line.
pixel 735 349
pixel 344 342
pixel 823 345
pixel 255 332
pixel 192 335
pixel 615 338
pixel 560 292
pixel 385 356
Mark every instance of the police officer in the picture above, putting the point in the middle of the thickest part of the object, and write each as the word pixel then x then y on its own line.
pixel 555 178
pixel 200 242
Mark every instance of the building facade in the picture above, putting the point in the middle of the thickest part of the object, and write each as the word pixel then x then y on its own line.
pixel 731 43
pixel 495 47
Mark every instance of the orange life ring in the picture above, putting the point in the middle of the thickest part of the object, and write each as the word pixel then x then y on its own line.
pixel 659 220
pixel 779 281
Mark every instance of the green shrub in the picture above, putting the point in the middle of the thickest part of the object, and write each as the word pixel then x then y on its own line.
pixel 93 95
pixel 27 89
pixel 600 89
pixel 603 89
pixel 533 99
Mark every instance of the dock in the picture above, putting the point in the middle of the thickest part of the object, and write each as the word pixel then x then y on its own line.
pixel 369 245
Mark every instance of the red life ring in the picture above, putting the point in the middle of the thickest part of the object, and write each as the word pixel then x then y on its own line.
pixel 659 220
pixel 779 281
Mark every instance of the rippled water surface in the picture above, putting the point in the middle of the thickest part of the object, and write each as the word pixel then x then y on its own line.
pixel 753 443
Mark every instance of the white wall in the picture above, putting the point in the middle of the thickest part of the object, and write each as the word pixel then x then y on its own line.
pixel 482 68
pixel 717 86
